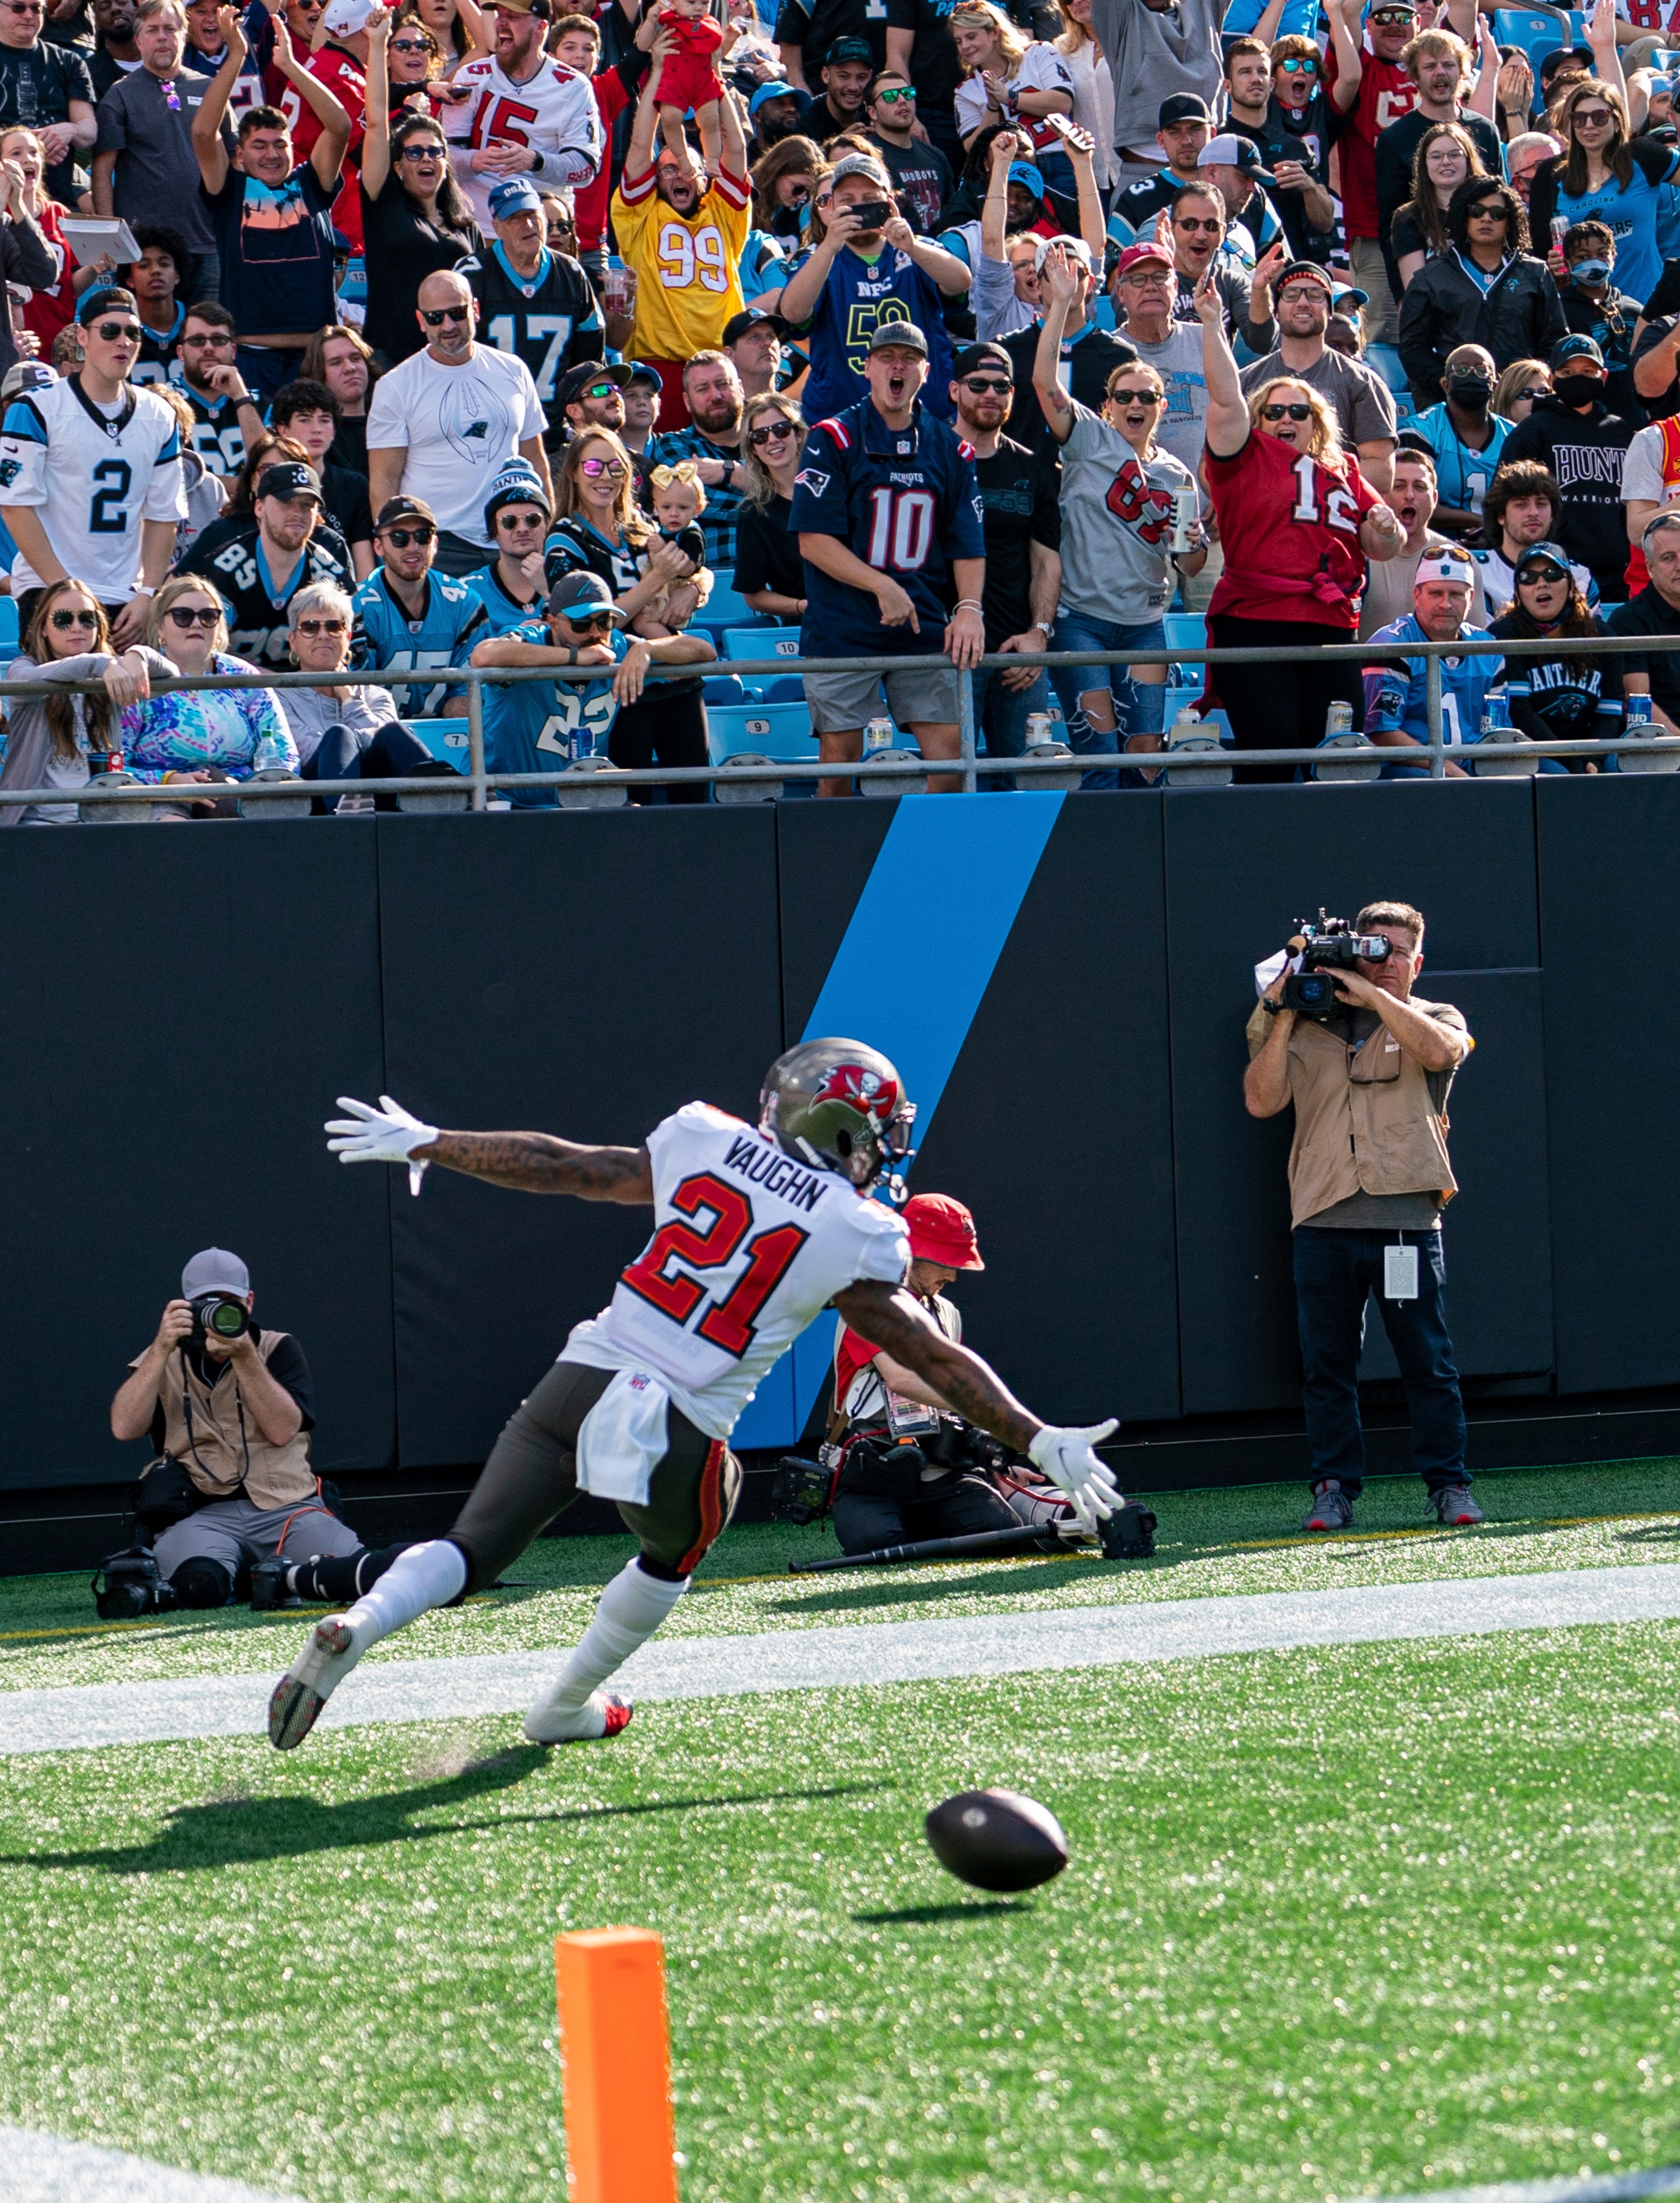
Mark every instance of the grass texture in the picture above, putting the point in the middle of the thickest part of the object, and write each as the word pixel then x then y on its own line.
pixel 1338 1922
pixel 1209 1546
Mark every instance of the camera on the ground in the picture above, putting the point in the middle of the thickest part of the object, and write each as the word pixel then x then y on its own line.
pixel 128 1585
pixel 218 1316
pixel 800 1491
pixel 1329 946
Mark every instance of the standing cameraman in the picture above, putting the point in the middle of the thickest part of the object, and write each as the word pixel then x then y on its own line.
pixel 229 1416
pixel 1369 1177
pixel 911 1464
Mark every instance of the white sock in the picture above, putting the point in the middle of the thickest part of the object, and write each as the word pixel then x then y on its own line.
pixel 631 1609
pixel 423 1577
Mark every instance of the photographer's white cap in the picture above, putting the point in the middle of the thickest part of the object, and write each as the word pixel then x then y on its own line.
pixel 215 1271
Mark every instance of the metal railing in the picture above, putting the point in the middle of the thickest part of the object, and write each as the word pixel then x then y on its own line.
pixel 479 783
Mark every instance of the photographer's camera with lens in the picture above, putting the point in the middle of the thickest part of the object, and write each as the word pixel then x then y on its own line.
pixel 800 1491
pixel 218 1316
pixel 1325 948
pixel 128 1585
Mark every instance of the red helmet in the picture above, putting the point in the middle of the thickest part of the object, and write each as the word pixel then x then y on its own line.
pixel 942 1230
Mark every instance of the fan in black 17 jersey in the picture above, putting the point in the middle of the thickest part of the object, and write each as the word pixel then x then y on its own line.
pixel 756 1229
pixel 531 301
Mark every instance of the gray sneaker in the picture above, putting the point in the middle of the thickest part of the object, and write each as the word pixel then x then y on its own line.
pixel 1454 1506
pixel 1331 1507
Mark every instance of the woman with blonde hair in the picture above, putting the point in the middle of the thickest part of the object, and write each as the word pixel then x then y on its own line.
pixel 769 571
pixel 1015 80
pixel 201 734
pixel 1093 86
pixel 598 528
pixel 1446 155
pixel 51 739
pixel 1298 521
pixel 346 730
pixel 1516 389
pixel 1604 175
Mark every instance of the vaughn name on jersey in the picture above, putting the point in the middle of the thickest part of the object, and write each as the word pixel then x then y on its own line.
pixel 92 477
pixel 749 1244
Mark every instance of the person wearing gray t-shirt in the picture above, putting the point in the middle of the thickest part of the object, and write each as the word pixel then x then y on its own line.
pixel 1156 50
pixel 1123 497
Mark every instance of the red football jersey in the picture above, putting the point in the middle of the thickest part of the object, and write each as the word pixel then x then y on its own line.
pixel 1386 93
pixel 1291 532
pixel 341 74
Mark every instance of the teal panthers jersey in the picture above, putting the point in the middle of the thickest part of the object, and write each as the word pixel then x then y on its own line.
pixel 543 726
pixel 453 622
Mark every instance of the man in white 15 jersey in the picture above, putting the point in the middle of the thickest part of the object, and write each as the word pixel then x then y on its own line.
pixel 757 1229
pixel 520 113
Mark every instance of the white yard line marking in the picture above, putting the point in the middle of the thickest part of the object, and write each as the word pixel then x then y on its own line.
pixel 44 2168
pixel 79 1719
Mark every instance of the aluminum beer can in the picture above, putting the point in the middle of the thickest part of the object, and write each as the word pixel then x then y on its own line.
pixel 1039 725
pixel 1559 231
pixel 1638 711
pixel 877 736
pixel 1338 720
pixel 1184 504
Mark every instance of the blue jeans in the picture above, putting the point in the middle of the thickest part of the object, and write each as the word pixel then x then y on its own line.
pixel 267 370
pixel 1335 1272
pixel 393 754
pixel 1000 718
pixel 1139 708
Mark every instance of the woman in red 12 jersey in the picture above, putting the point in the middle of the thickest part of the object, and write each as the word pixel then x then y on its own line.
pixel 1298 521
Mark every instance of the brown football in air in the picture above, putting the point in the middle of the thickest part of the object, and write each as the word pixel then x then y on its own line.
pixel 997 1839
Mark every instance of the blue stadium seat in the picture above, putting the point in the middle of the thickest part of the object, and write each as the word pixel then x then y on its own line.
pixel 726 688
pixel 750 642
pixel 1185 631
pixel 446 740
pixel 1537 33
pixel 1386 361
pixel 725 607
pixel 785 689
pixel 8 633
pixel 781 731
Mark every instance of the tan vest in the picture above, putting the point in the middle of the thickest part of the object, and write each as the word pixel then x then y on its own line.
pixel 224 1438
pixel 1365 1120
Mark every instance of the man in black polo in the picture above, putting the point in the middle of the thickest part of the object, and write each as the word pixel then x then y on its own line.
pixel 1020 490
pixel 1089 355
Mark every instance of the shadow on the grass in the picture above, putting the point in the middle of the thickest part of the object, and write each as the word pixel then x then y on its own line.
pixel 916 1916
pixel 890 1588
pixel 242 1832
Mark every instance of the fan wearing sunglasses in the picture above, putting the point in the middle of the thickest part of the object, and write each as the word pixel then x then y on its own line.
pixel 1607 175
pixel 1509 305
pixel 1298 520
pixel 200 733
pixel 543 726
pixel 769 571
pixel 407 614
pixel 51 739
pixel 346 729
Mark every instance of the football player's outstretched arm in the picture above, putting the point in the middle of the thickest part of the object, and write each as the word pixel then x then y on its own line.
pixel 529 1162
pixel 893 1320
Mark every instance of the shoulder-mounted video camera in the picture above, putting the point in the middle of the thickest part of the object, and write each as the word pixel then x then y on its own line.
pixel 1326 947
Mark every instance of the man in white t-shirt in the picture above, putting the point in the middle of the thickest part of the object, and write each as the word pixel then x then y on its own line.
pixel 443 425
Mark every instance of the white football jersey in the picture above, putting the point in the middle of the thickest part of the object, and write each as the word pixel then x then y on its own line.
pixel 749 1245
pixel 93 479
pixel 554 112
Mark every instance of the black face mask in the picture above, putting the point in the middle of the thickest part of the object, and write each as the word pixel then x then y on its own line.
pixel 1471 392
pixel 1576 389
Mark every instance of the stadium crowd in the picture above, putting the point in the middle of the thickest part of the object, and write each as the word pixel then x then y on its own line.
pixel 363 337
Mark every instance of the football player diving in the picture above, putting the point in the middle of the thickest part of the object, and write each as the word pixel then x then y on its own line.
pixel 757 1229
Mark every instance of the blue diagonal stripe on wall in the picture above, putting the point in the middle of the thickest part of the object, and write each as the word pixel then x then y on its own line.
pixel 917 958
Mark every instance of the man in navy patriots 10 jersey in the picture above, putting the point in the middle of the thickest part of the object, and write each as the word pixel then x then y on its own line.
pixel 890 526
pixel 531 301
pixel 90 475
pixel 281 549
pixel 407 615
pixel 757 1228
pixel 512 587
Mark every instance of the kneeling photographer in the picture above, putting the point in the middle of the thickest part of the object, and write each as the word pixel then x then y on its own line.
pixel 913 1469
pixel 227 1406
pixel 1368 1067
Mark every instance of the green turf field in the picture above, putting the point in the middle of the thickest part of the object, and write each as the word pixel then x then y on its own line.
pixel 1343 1922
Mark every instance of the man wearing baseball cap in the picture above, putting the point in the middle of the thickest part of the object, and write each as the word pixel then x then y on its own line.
pixel 1235 168
pixel 773 111
pixel 548 726
pixel 847 67
pixel 262 561
pixel 880 1410
pixel 560 140
pixel 408 615
pixel 511 586
pixel 1183 128
pixel 1361 400
pixel 1577 438
pixel 535 304
pixel 1397 688
pixel 752 342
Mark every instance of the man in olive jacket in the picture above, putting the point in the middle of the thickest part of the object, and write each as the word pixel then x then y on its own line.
pixel 1369 1177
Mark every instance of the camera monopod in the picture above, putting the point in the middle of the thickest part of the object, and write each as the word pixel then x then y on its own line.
pixel 1127 1535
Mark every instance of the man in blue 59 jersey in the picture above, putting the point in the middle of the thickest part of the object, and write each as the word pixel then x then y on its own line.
pixel 545 726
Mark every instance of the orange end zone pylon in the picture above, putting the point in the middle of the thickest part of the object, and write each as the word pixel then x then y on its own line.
pixel 616 2066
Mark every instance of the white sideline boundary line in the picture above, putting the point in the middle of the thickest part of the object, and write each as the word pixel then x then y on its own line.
pixel 86 1717
pixel 44 2168
pixel 1598 2188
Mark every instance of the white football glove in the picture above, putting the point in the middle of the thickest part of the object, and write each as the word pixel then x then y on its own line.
pixel 1069 1458
pixel 386 1135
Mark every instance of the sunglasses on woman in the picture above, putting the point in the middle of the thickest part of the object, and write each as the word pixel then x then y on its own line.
pixel 1545 574
pixel 1492 211
pixel 1285 412
pixel 1595 118
pixel 65 621
pixel 421 149
pixel 412 46
pixel 1136 398
pixel 402 537
pixel 190 615
pixel 595 468
pixel 321 627
pixel 778 430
